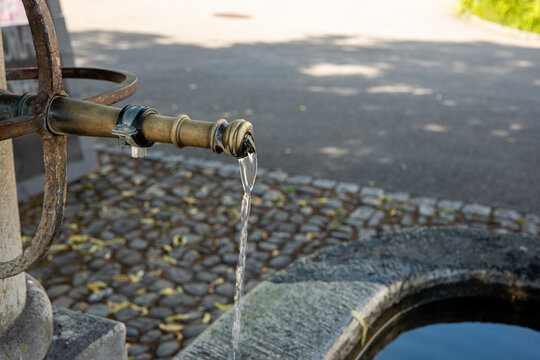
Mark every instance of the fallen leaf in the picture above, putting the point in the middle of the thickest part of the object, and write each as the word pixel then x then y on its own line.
pixel 169 260
pixel 58 247
pixel 356 314
pixel 222 307
pixel 95 286
pixel 167 291
pixel 206 318
pixel 171 327
pixel 147 221
pixel 178 317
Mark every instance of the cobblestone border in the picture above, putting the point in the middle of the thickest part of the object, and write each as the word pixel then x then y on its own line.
pixel 507 220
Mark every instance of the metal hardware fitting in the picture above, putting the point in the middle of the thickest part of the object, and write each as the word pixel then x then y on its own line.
pixel 128 129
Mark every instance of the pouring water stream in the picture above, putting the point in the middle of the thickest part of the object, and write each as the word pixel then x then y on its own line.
pixel 248 173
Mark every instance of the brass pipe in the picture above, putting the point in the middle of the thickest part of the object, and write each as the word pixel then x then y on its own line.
pixel 69 116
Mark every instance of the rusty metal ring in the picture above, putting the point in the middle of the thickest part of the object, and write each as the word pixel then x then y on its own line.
pixel 49 74
pixel 54 147
pixel 126 81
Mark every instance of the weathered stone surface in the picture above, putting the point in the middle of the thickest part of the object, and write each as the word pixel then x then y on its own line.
pixel 86 337
pixel 321 290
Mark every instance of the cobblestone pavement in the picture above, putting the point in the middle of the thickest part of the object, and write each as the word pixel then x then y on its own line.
pixel 151 242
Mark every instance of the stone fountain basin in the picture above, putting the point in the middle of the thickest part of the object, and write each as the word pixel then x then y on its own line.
pixel 315 308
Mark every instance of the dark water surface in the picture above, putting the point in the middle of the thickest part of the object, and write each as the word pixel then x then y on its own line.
pixel 464 341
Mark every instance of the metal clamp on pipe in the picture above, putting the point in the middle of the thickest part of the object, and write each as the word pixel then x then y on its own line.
pixel 128 129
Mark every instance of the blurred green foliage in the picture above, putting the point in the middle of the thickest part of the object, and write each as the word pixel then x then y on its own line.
pixel 519 14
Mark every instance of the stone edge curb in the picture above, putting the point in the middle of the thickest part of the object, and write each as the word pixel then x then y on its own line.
pixel 305 311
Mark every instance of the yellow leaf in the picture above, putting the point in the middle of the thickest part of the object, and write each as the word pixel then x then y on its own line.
pixel 58 247
pixel 218 281
pixel 171 327
pixel 179 240
pixel 116 241
pixel 25 239
pixel 98 242
pixel 169 260
pixel 147 221
pixel 77 239
pixel 206 318
pixel 93 249
pixel 127 193
pixel 190 200
pixel 142 309
pixel 92 176
pixel 138 275
pixel 157 272
pixel 72 226
pixel 116 307
pixel 356 314
pixel 140 291
pixel 168 291
pixel 275 253
pixel 220 306
pixel 167 248
pixel 121 278
pixel 178 317
pixel 95 286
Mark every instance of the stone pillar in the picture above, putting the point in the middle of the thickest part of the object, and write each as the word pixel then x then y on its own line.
pixel 12 290
pixel 25 311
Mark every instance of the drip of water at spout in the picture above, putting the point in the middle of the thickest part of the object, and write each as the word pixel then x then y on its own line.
pixel 248 173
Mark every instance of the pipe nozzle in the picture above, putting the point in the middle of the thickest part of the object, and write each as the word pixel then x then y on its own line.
pixel 235 139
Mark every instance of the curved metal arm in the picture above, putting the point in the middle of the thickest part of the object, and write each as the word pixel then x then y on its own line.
pixel 125 80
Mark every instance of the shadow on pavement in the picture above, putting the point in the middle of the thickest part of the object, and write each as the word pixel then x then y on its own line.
pixel 455 120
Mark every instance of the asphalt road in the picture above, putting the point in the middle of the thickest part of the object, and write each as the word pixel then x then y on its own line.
pixel 407 98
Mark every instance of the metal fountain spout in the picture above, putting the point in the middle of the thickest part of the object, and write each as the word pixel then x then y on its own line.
pixel 138 127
